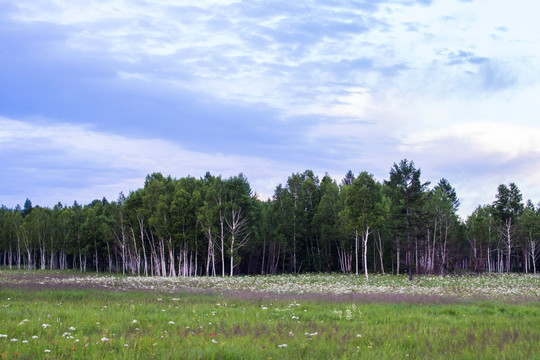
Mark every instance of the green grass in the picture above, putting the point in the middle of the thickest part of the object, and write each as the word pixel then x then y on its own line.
pixel 146 325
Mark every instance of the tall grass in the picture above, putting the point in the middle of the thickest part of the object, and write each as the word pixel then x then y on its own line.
pixel 92 324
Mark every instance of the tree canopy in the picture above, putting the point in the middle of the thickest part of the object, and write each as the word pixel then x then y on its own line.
pixel 217 226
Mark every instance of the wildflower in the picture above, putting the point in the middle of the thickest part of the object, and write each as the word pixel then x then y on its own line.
pixel 282 346
pixel 126 345
pixel 213 334
pixel 214 341
pixel 72 328
pixel 14 340
pixel 35 337
pixel 45 325
pixel 3 336
pixel 171 322
pixel 47 351
pixel 135 321
pixel 25 341
pixel 104 339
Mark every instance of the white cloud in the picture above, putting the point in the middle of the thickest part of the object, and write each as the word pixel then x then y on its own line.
pixel 451 86
pixel 110 163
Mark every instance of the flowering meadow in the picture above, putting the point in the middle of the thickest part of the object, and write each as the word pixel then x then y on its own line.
pixel 57 316
pixel 493 286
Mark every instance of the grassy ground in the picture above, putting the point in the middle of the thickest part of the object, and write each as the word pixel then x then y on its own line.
pixel 86 323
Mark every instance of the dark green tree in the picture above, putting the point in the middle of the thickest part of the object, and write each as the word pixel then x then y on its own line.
pixel 529 224
pixel 406 192
pixel 325 223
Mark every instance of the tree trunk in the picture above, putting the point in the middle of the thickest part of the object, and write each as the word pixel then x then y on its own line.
pixel 381 251
pixel 509 244
pixel 356 250
pixel 222 238
pixel 366 235
pixel 263 254
pixel 232 254
pixel 397 255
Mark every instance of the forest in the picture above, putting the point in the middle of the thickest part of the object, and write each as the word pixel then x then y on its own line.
pixel 216 226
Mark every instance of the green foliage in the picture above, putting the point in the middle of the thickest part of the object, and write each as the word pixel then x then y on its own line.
pixel 217 226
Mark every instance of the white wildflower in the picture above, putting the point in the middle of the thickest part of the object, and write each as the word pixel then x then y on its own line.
pixel 25 341
pixel 104 339
pixel 282 346
pixel 35 337
pixel 45 325
pixel 171 322
pixel 214 341
pixel 3 336
pixel 47 350
pixel 134 321
pixel 72 328
pixel 14 340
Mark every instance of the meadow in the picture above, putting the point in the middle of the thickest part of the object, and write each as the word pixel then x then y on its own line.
pixel 61 315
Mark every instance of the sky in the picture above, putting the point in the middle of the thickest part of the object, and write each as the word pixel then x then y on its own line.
pixel 95 95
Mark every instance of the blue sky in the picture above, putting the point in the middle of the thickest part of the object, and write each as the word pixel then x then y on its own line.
pixel 94 95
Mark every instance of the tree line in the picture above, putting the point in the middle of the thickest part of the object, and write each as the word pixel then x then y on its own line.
pixel 216 226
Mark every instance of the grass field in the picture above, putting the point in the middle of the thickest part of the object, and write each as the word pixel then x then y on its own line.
pixel 58 316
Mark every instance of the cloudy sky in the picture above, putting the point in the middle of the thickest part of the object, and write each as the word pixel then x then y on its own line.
pixel 94 95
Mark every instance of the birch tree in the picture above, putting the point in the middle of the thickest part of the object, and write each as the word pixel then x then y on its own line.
pixel 508 207
pixel 364 203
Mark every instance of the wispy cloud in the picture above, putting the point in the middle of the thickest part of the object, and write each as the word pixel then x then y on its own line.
pixel 65 158
pixel 123 89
